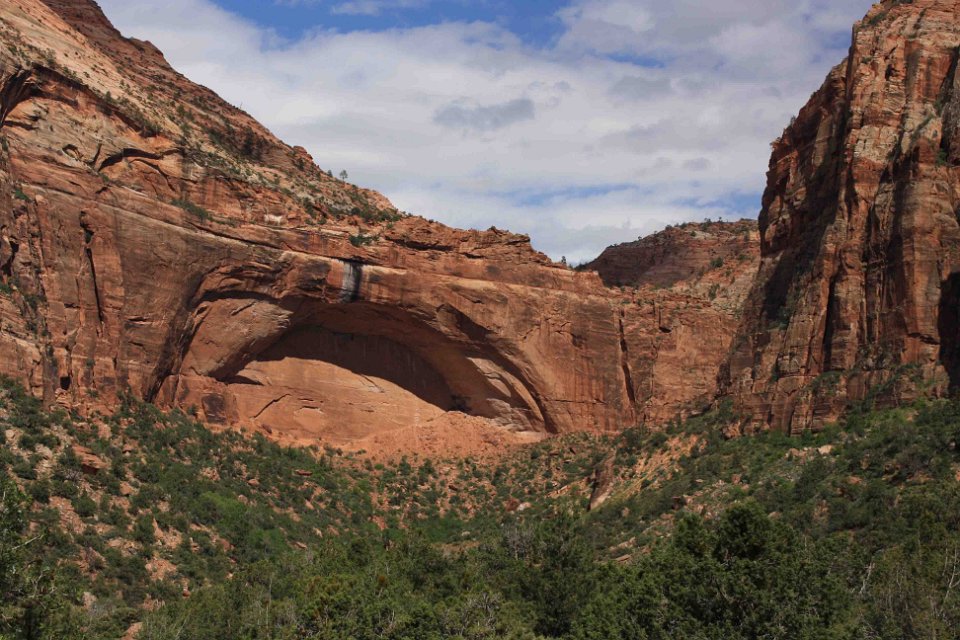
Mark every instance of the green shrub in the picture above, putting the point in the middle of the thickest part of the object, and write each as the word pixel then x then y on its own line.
pixel 143 530
pixel 193 209
pixel 361 239
pixel 84 505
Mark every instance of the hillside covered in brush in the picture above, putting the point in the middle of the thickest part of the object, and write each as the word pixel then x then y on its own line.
pixel 148 525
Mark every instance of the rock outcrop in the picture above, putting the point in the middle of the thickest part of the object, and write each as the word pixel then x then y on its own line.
pixel 680 256
pixel 602 484
pixel 156 241
pixel 683 292
pixel 857 296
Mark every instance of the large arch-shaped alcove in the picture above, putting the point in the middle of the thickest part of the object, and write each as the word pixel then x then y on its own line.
pixel 338 372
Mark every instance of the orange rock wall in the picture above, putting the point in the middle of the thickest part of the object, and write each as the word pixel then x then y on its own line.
pixel 157 241
pixel 857 291
pixel 683 292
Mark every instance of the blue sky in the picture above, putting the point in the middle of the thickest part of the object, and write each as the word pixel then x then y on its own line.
pixel 534 20
pixel 580 122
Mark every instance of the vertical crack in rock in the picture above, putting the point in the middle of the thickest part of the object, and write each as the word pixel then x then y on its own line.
pixel 625 362
pixel 7 267
pixel 88 238
pixel 949 327
pixel 830 321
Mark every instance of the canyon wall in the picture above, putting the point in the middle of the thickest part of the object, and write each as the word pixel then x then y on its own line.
pixel 156 241
pixel 857 295
pixel 682 293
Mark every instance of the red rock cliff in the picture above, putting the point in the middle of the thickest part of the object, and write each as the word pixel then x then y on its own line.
pixel 858 290
pixel 157 241
pixel 683 292
pixel 681 255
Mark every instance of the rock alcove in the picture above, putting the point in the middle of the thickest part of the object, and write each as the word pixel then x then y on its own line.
pixel 339 372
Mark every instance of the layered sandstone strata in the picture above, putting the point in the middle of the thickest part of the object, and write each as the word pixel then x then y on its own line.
pixel 683 292
pixel 858 291
pixel 156 241
pixel 681 255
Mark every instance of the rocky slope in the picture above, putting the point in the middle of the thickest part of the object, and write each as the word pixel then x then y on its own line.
pixel 857 294
pixel 155 240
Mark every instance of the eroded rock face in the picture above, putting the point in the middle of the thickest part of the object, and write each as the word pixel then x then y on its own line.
pixel 683 292
pixel 156 241
pixel 387 346
pixel 857 294
pixel 680 256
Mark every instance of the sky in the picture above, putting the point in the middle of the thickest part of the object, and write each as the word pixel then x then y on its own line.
pixel 583 123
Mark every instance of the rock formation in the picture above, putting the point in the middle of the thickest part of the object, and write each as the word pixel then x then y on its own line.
pixel 681 255
pixel 858 294
pixel 602 484
pixel 156 241
pixel 683 294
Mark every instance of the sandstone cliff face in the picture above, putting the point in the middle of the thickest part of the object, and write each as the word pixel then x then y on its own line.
pixel 857 294
pixel 681 255
pixel 683 295
pixel 156 241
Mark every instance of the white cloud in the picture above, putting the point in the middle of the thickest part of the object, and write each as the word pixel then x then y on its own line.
pixel 607 26
pixel 467 124
pixel 374 7
pixel 485 118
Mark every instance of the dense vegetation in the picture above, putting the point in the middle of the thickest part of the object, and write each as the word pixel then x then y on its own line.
pixel 853 533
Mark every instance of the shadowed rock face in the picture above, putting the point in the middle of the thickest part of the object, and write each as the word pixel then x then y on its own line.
pixel 155 240
pixel 857 290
